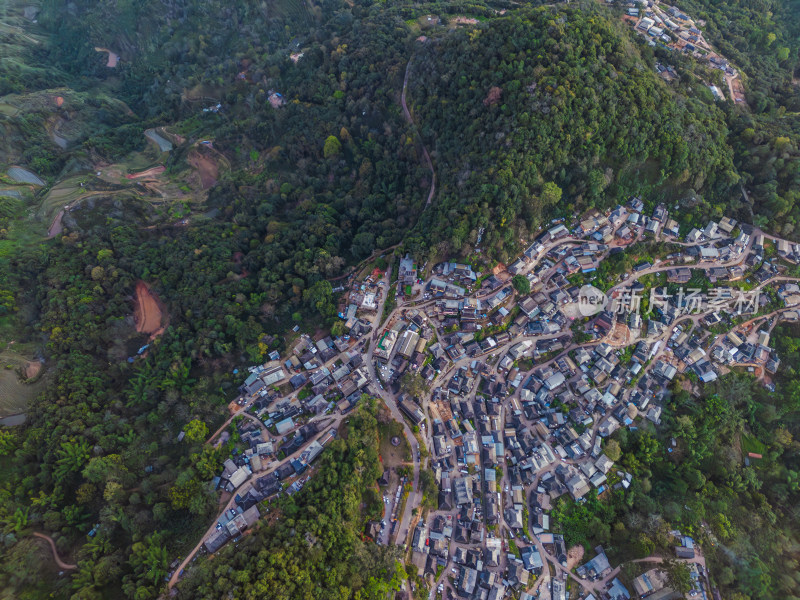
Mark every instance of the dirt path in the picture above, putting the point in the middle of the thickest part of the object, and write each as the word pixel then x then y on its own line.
pixel 56 558
pixel 113 57
pixel 428 161
pixel 56 227
pixel 360 265
pixel 149 313
pixel 424 149
pixel 148 173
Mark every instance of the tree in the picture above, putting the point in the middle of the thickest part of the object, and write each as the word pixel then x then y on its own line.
pixel 104 254
pixel 196 430
pixel 726 576
pixel 8 442
pixel 551 193
pixel 332 147
pixel 427 482
pixel 679 578
pixel 338 329
pixel 413 384
pixel 320 296
pixel 363 244
pixel 612 450
pixel 149 559
pixel 72 457
pixel 521 284
pixel 643 546
pixel 102 468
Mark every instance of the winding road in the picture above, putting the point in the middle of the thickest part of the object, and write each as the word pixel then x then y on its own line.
pixel 56 558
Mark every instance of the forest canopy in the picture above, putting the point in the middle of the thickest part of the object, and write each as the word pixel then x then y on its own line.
pixel 529 115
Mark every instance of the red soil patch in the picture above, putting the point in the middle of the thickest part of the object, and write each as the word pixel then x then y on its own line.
pixel 32 369
pixel 206 168
pixel 59 101
pixel 620 335
pixel 152 172
pixel 149 313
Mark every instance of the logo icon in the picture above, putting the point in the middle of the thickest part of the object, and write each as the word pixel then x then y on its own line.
pixel 591 300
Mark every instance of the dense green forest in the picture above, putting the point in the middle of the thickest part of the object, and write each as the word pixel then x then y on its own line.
pixel 540 112
pixel 531 115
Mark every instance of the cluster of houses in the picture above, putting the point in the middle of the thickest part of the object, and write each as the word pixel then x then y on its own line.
pixel 280 436
pixel 499 425
pixel 486 458
pixel 666 24
pixel 364 296
pixel 248 466
pixel 670 28
pixel 324 375
pixel 518 413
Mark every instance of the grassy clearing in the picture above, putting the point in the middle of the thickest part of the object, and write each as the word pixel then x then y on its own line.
pixel 393 456
pixel 751 444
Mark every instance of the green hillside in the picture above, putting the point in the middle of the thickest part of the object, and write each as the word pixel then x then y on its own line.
pixel 289 162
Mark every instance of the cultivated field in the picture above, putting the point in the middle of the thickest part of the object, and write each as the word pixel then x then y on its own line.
pixel 14 394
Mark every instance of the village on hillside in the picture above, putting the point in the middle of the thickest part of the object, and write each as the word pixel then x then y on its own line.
pixel 672 29
pixel 507 384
